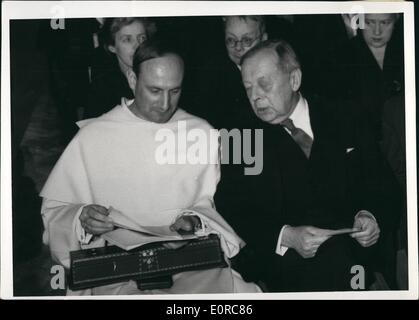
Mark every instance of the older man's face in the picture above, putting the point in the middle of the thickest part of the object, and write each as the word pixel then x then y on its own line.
pixel 268 88
pixel 378 29
pixel 239 33
pixel 158 88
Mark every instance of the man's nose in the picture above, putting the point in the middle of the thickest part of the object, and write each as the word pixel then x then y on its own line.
pixel 238 46
pixel 254 96
pixel 166 103
pixel 377 29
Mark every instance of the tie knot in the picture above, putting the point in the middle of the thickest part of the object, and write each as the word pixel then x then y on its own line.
pixel 287 123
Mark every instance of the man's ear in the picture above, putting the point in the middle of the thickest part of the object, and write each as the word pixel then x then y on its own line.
pixel 264 36
pixel 295 79
pixel 112 49
pixel 132 79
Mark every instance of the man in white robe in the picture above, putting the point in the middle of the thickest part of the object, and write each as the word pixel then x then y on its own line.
pixel 115 161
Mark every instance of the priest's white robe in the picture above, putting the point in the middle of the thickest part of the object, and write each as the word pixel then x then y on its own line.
pixel 113 161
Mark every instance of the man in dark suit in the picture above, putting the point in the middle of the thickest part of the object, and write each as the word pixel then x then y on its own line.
pixel 321 173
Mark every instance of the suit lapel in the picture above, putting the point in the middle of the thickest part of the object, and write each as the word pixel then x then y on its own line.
pixel 323 127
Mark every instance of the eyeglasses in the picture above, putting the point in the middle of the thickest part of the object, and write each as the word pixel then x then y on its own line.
pixel 245 42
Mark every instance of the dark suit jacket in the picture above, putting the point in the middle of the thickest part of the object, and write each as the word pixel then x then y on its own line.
pixel 367 83
pixel 217 94
pixel 108 85
pixel 394 148
pixel 325 191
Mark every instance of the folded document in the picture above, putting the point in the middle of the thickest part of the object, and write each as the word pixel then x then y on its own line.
pixel 130 235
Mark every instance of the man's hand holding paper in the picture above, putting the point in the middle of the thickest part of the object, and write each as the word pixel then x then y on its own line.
pixel 95 219
pixel 184 225
pixel 369 231
pixel 306 240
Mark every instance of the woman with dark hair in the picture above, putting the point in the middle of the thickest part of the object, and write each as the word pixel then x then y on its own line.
pixel 120 37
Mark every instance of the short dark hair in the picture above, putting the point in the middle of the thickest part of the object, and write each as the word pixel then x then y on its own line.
pixel 258 19
pixel 287 58
pixel 113 25
pixel 151 49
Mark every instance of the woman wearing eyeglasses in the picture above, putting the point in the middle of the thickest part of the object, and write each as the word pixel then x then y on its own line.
pixel 217 94
pixel 241 34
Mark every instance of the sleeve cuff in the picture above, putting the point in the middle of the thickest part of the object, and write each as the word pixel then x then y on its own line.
pixel 82 236
pixel 281 250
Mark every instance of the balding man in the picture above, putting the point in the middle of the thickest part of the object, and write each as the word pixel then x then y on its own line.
pixel 321 174
pixel 112 162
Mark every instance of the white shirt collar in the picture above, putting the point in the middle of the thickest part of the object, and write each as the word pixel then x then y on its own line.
pixel 301 117
pixel 125 103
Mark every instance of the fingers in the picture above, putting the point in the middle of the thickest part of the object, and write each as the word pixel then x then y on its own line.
pixel 94 219
pixel 93 223
pixel 309 249
pixel 317 236
pixel 318 231
pixel 319 240
pixel 95 212
pixel 310 253
pixel 365 235
pixel 357 224
pixel 100 209
pixel 368 242
pixel 97 230
pixel 368 235
pixel 175 244
pixel 185 225
pixel 309 239
pixel 369 230
pixel 96 227
pixel 180 224
pixel 100 217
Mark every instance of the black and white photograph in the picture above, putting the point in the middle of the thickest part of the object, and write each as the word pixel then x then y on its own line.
pixel 208 150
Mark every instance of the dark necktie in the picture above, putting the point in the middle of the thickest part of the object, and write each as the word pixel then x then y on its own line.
pixel 300 137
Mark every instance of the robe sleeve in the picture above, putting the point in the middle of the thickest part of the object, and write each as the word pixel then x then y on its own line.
pixel 204 207
pixel 231 243
pixel 63 232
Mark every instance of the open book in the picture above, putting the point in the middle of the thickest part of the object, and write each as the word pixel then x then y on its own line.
pixel 129 234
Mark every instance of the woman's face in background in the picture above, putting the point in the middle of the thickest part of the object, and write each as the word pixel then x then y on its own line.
pixel 127 40
pixel 378 29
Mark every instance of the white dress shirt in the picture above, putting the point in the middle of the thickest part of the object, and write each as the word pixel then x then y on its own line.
pixel 301 117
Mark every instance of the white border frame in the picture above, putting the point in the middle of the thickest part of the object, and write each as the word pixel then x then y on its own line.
pixel 45 9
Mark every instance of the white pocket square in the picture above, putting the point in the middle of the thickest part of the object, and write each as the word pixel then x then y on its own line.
pixel 349 150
